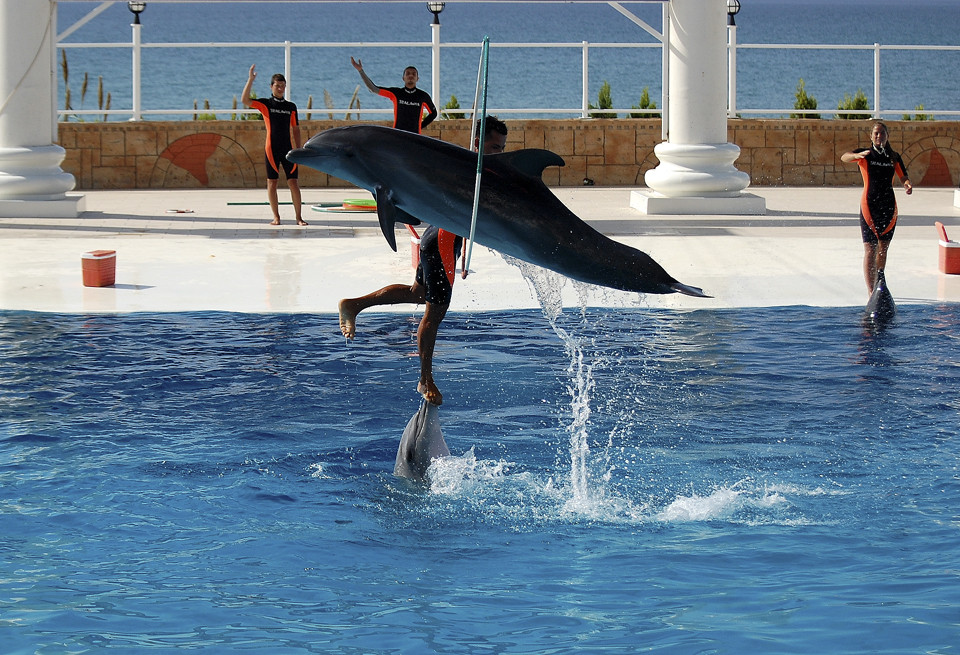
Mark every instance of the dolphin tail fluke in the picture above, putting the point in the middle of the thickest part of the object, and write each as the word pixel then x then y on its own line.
pixel 687 290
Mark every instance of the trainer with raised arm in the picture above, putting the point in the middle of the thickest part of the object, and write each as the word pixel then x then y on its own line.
pixel 413 109
pixel 283 134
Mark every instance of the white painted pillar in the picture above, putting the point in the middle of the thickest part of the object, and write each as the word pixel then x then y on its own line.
pixel 32 184
pixel 696 174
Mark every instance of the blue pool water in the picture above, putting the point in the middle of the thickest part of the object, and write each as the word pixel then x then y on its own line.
pixel 744 481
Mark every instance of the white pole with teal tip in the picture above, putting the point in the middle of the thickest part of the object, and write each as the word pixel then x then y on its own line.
pixel 482 93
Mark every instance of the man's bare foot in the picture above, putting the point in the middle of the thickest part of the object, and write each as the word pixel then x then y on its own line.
pixel 348 319
pixel 275 221
pixel 430 393
pixel 300 221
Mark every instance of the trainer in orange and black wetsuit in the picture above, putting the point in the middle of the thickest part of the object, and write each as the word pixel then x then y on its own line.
pixel 283 134
pixel 432 286
pixel 409 102
pixel 878 204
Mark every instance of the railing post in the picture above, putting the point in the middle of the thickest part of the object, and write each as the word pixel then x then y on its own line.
pixel 287 58
pixel 585 99
pixel 435 65
pixel 876 80
pixel 732 71
pixel 136 71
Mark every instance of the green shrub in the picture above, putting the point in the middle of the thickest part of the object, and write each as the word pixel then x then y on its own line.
pixel 206 116
pixel 453 104
pixel 645 103
pixel 804 101
pixel 919 116
pixel 857 102
pixel 605 101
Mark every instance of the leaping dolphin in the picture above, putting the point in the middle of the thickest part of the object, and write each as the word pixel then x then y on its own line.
pixel 414 177
pixel 421 443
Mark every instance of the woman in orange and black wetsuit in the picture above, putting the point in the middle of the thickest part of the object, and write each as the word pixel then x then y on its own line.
pixel 878 204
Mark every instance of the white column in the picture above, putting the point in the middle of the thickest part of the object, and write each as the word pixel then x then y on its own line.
pixel 32 184
pixel 696 174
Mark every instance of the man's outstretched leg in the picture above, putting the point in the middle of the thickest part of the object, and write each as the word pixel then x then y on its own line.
pixel 393 294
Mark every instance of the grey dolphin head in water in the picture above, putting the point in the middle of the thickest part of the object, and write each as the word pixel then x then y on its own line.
pixel 421 443
pixel 880 309
pixel 414 177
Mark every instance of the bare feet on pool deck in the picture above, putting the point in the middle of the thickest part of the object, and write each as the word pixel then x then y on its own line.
pixel 275 221
pixel 348 319
pixel 430 392
pixel 300 221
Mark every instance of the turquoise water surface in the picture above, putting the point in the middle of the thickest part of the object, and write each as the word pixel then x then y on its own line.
pixel 740 481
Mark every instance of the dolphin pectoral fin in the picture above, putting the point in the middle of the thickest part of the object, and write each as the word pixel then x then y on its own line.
pixel 387 213
pixel 531 161
pixel 687 290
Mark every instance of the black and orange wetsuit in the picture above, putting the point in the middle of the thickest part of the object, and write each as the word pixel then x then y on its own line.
pixel 878 204
pixel 439 250
pixel 408 107
pixel 280 116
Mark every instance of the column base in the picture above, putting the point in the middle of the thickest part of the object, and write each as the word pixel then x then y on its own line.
pixel 70 206
pixel 650 202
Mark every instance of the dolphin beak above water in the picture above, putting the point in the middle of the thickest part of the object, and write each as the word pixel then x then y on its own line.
pixel 421 443
pixel 414 178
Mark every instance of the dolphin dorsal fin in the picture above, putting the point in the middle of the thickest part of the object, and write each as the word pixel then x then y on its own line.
pixel 531 161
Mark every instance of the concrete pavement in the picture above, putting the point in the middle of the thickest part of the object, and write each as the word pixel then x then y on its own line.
pixel 196 250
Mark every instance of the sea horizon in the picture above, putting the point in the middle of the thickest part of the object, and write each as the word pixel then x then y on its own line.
pixel 542 77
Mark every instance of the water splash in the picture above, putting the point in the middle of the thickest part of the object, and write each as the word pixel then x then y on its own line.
pixel 547 286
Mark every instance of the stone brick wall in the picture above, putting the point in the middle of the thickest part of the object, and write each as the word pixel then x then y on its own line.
pixel 610 152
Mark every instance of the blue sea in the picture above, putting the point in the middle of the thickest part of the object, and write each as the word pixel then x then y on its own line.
pixel 781 480
pixel 519 78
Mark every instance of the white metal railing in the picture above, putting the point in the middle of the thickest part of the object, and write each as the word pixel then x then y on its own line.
pixel 877 110
pixel 584 111
pixel 136 111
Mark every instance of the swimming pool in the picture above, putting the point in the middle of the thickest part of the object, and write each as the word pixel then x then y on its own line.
pixel 776 480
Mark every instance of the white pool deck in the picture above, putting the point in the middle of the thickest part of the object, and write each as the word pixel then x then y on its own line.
pixel 806 250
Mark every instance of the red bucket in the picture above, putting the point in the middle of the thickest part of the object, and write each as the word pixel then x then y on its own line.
pixel 99 268
pixel 949 252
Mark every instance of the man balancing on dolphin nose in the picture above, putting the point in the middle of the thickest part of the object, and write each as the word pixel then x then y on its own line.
pixel 433 284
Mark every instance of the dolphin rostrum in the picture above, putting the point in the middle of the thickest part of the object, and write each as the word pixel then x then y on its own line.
pixel 414 177
pixel 421 443
pixel 880 309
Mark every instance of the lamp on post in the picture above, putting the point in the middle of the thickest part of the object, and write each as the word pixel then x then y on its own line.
pixel 136 8
pixel 435 8
pixel 733 8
